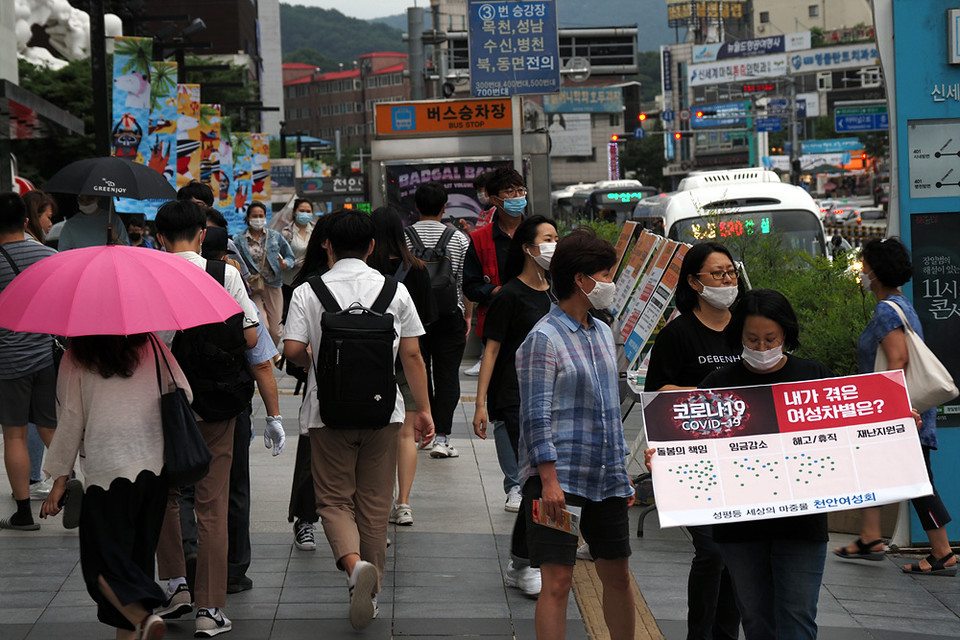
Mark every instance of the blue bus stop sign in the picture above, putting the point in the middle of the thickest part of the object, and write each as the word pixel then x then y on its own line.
pixel 513 48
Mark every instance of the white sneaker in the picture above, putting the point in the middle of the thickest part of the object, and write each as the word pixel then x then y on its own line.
pixel 209 625
pixel 402 515
pixel 527 579
pixel 583 552
pixel 361 584
pixel 179 603
pixel 40 490
pixel 443 449
pixel 514 498
pixel 474 370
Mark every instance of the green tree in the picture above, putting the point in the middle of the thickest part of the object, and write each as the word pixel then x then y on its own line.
pixel 645 156
pixel 228 88
pixel 306 55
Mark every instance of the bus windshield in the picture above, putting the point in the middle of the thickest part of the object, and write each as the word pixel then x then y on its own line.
pixel 797 229
pixel 614 205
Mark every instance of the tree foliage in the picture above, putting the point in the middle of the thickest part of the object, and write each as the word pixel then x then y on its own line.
pixel 306 55
pixel 334 35
pixel 645 157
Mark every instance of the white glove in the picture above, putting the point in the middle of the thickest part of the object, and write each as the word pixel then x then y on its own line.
pixel 273 435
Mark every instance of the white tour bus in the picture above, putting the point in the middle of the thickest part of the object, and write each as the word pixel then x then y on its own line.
pixel 730 204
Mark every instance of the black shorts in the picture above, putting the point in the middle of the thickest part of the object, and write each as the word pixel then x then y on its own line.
pixel 30 398
pixel 604 526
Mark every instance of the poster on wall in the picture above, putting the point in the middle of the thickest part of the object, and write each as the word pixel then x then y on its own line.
pixel 210 145
pixel 188 133
pixel 131 96
pixel 801 448
pixel 224 198
pixel 936 268
pixel 456 176
pixel 260 169
pixel 569 134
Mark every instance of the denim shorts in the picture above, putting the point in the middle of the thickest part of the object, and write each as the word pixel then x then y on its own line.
pixel 604 525
pixel 30 398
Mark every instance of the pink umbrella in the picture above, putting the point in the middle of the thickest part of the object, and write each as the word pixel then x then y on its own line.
pixel 113 290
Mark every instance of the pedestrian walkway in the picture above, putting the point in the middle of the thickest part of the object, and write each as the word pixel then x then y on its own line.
pixel 445 573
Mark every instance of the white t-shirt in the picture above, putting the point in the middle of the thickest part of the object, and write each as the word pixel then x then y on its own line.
pixel 350 280
pixel 233 283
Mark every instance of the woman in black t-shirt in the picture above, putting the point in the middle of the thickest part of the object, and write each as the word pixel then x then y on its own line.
pixel 524 298
pixel 392 258
pixel 687 349
pixel 776 564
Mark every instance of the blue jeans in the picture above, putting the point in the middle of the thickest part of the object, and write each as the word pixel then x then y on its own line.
pixel 506 456
pixel 778 584
pixel 35 447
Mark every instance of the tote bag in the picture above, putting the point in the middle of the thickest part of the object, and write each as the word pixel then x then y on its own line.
pixel 186 456
pixel 929 384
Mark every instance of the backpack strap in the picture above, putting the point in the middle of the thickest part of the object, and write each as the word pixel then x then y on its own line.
pixel 218 269
pixel 444 240
pixel 414 239
pixel 386 295
pixel 13 265
pixel 323 293
pixel 402 271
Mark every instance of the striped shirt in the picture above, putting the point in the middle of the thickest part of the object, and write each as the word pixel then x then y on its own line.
pixel 430 232
pixel 570 407
pixel 23 353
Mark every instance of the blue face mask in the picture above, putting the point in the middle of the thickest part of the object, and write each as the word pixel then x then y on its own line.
pixel 304 218
pixel 515 206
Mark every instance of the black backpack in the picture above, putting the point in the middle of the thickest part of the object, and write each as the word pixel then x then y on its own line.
pixel 440 268
pixel 356 381
pixel 213 358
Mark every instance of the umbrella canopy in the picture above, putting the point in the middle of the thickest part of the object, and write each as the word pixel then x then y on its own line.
pixel 110 177
pixel 113 290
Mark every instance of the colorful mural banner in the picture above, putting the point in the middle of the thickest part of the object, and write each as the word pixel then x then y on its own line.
pixel 188 133
pixel 790 449
pixel 160 149
pixel 210 145
pixel 225 178
pixel 242 188
pixel 131 96
pixel 261 168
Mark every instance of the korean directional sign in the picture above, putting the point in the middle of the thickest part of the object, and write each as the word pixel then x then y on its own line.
pixel 513 48
pixel 868 118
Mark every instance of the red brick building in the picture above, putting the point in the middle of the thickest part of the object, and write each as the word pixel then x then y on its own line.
pixel 319 104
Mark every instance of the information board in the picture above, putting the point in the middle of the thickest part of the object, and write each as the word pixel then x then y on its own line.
pixel 934 160
pixel 442 117
pixel 514 48
pixel 755 453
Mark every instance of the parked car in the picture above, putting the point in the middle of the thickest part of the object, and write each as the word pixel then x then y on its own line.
pixel 867 217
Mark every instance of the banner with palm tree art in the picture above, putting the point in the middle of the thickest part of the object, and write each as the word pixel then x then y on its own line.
pixel 242 187
pixel 131 96
pixel 188 133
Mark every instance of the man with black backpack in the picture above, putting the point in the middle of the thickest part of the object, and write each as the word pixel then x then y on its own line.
pixel 355 321
pixel 442 248
pixel 214 361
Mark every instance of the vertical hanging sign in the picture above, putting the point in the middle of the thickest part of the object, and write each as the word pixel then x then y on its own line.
pixel 188 133
pixel 131 96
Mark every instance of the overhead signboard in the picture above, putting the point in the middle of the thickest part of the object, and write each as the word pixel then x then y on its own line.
pixel 752 47
pixel 846 56
pixel 514 48
pixel 724 114
pixel 865 118
pixel 352 185
pixel 773 66
pixel 585 100
pixel 768 125
pixel 443 117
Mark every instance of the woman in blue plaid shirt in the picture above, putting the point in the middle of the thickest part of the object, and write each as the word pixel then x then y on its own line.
pixel 572 448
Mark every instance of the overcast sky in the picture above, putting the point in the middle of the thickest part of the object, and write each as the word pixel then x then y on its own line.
pixel 364 8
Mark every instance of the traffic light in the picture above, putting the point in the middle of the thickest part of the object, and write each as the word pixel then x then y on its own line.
pixel 677 135
pixel 642 117
pixel 614 138
pixel 705 112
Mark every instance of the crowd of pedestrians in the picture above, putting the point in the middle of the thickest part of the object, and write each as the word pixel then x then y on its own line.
pixel 372 318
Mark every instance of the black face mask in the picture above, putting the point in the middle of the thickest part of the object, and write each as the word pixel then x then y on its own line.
pixel 135 237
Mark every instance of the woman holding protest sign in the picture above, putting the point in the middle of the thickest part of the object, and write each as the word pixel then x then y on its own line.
pixel 887 267
pixel 776 564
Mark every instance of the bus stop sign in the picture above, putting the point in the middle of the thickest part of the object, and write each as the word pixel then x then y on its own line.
pixel 514 48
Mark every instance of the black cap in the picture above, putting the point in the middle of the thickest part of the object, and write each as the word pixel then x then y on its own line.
pixel 215 240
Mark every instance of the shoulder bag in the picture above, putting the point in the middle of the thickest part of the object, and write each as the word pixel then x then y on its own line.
pixel 929 384
pixel 186 456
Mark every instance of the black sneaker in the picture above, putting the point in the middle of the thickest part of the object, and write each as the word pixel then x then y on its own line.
pixel 236 585
pixel 303 536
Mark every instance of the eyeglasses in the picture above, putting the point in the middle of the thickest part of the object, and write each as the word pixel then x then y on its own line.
pixel 761 344
pixel 719 275
pixel 513 192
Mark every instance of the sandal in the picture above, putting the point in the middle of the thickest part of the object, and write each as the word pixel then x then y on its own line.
pixel 864 551
pixel 72 503
pixel 937 567
pixel 6 523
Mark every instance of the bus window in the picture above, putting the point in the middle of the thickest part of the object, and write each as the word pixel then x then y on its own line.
pixel 797 229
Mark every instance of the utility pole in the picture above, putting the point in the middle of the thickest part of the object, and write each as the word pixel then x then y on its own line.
pixel 415 48
pixel 98 68
pixel 794 138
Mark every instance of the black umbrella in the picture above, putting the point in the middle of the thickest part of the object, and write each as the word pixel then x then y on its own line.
pixel 111 177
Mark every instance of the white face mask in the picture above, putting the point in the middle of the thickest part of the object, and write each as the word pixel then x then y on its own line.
pixel 483 198
pixel 602 295
pixel 763 360
pixel 257 223
pixel 719 297
pixel 88 209
pixel 546 254
pixel 866 281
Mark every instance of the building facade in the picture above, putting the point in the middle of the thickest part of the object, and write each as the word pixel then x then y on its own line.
pixel 771 17
pixel 323 104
